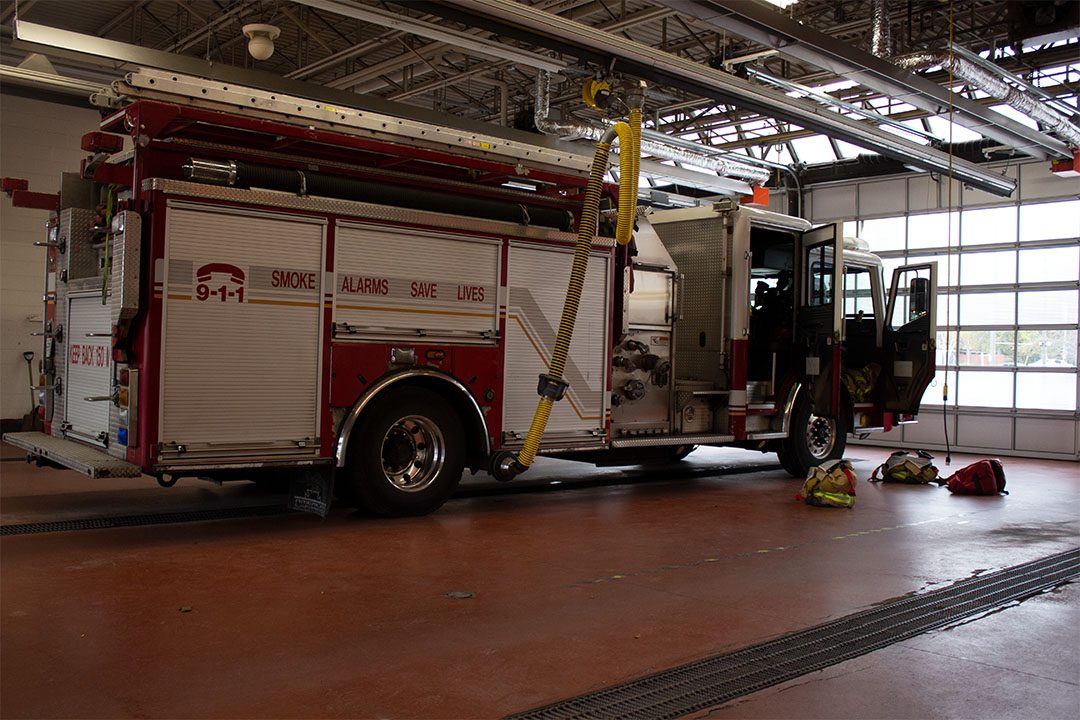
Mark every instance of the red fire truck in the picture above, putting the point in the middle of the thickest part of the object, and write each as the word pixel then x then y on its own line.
pixel 263 283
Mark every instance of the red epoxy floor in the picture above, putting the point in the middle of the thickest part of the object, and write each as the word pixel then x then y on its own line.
pixel 573 590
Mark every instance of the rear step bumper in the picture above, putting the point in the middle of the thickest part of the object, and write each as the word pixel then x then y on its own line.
pixel 89 461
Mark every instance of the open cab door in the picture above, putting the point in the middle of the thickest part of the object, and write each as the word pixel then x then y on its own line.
pixel 818 320
pixel 910 335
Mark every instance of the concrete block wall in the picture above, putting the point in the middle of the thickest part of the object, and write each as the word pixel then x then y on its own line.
pixel 38 141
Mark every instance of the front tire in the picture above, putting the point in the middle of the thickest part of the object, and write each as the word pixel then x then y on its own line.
pixel 407 455
pixel 812 439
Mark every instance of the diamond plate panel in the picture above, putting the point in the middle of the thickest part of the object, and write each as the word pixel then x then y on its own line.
pixel 699 248
pixel 80 258
pixel 126 252
pixel 82 458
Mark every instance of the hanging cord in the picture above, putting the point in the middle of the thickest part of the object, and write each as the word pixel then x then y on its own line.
pixel 948 255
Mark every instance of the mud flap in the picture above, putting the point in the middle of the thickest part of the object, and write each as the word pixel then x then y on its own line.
pixel 312 491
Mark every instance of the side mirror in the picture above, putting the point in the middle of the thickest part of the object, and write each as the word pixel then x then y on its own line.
pixel 919 298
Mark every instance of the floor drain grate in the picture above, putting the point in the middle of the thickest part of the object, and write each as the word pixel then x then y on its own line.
pixel 716 680
pixel 148 519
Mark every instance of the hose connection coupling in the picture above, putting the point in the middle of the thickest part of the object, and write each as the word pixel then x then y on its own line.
pixel 634 91
pixel 551 387
pixel 505 466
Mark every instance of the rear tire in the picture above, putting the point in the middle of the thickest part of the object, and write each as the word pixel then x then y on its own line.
pixel 407 454
pixel 812 439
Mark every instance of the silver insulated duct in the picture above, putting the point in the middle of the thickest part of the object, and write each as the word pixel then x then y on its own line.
pixel 996 87
pixel 653 143
pixel 880 31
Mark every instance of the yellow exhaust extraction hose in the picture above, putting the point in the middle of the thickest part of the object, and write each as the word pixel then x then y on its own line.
pixel 628 172
pixel 552 387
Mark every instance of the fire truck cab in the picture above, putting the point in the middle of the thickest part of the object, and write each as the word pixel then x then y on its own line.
pixel 780 336
pixel 303 288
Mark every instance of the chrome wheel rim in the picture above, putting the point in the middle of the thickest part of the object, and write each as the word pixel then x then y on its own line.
pixel 820 436
pixel 413 453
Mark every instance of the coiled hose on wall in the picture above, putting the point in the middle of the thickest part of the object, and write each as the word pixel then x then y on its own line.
pixel 552 387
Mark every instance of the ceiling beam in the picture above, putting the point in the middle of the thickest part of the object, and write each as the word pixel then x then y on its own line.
pixel 479 46
pixel 121 18
pixel 342 55
pixel 365 74
pixel 584 42
pixel 192 38
pixel 629 21
pixel 16 7
pixel 304 27
pixel 766 25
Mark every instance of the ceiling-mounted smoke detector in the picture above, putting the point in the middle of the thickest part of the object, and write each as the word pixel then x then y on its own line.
pixel 261 39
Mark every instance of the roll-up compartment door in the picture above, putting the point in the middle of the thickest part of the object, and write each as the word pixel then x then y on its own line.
pixel 395 282
pixel 89 368
pixel 242 331
pixel 536 289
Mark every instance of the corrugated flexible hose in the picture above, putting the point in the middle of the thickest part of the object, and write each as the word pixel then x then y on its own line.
pixel 552 386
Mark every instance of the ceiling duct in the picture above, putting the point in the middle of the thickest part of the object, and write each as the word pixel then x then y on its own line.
pixel 880 30
pixel 997 87
pixel 976 74
pixel 653 143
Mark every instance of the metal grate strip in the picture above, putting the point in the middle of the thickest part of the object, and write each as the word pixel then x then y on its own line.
pixel 710 682
pixel 149 519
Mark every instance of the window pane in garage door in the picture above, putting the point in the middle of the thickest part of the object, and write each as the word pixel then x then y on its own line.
pixel 987 268
pixel 1049 264
pixel 932 231
pixel 1050 221
pixel 988 309
pixel 1048 308
pixel 1047 391
pixel 932 396
pixel 985 348
pixel 946 309
pixel 946 267
pixel 991 225
pixel 1047 348
pixel 985 389
pixel 883 233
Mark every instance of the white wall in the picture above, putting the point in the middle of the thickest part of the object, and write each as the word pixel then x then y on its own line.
pixel 38 141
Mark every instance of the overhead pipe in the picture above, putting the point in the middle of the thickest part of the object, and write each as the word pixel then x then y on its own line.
pixel 653 143
pixel 996 87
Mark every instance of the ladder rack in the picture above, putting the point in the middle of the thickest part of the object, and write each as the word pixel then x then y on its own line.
pixel 548 161
pixel 290 109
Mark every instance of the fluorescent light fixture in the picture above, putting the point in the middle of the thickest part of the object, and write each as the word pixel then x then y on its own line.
pixel 519 185
pixel 48 81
